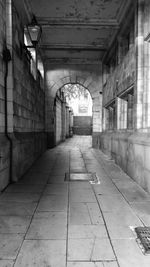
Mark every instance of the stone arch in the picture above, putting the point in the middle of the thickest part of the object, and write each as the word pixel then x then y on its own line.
pixel 56 78
pixel 90 82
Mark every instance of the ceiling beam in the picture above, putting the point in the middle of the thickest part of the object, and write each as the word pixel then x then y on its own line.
pixel 73 47
pixel 69 22
pixel 71 61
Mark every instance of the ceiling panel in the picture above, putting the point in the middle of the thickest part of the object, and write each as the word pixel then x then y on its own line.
pixel 87 9
pixel 71 26
pixel 76 36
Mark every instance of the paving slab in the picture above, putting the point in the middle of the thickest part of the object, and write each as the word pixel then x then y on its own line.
pixel 56 179
pixel 79 214
pixel 142 209
pixel 85 264
pixel 129 254
pixel 102 250
pixel 82 195
pixel 80 249
pixel 115 219
pixel 6 263
pixel 110 264
pixel 17 208
pixel 110 203
pixel 10 245
pixel 56 189
pixel 48 225
pixel 34 178
pixel 133 192
pixel 20 197
pixel 25 188
pixel 53 203
pixel 87 231
pixel 76 185
pixel 14 224
pixel 105 189
pixel 95 213
pixel 121 232
pixel 42 253
pixel 90 250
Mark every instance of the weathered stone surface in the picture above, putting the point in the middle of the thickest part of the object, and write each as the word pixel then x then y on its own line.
pixel 131 153
pixel 82 125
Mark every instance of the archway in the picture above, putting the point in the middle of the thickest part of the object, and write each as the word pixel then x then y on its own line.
pixel 79 99
pixel 56 78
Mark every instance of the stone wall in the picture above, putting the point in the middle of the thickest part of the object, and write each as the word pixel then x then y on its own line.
pixel 131 151
pixel 4 142
pixel 29 139
pixel 122 77
pixel 23 140
pixel 125 136
pixel 82 125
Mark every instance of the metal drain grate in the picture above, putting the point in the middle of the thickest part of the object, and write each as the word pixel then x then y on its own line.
pixel 143 238
pixel 83 177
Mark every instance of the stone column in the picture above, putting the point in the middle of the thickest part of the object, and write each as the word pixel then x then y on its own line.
pixel 118 101
pixel 50 119
pixel 63 121
pixel 146 93
pixel 67 121
pixel 105 119
pixel 139 44
pixel 130 112
pixel 10 65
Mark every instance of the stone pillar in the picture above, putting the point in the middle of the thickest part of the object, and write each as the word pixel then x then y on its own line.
pixel 118 101
pixel 97 120
pixel 97 114
pixel 50 120
pixel 105 119
pixel 130 112
pixel 58 120
pixel 70 123
pixel 67 121
pixel 139 43
pixel 10 65
pixel 146 93
pixel 63 121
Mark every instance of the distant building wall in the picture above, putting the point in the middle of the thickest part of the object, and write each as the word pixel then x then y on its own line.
pixel 82 125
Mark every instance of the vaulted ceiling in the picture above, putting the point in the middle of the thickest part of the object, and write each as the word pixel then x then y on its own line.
pixel 78 30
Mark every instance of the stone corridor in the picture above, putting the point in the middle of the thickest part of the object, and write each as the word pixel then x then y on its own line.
pixel 46 221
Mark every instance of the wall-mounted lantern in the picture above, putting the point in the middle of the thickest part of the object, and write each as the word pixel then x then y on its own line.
pixel 34 31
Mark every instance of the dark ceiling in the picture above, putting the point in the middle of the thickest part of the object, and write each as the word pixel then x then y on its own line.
pixel 77 30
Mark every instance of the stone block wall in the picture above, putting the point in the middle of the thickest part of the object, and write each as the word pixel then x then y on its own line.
pixel 4 142
pixel 82 125
pixel 29 139
pixel 126 104
pixel 123 76
pixel 131 151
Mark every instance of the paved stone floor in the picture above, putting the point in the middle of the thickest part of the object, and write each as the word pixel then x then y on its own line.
pixel 46 221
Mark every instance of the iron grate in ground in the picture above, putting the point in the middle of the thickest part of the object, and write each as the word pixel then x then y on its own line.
pixel 82 177
pixel 143 239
